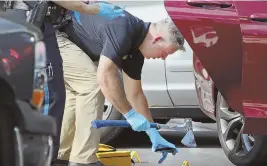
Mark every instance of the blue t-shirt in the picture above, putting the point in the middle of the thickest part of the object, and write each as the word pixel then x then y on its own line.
pixel 118 39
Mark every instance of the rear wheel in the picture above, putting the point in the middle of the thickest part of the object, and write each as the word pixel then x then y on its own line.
pixel 241 149
pixel 162 121
pixel 7 137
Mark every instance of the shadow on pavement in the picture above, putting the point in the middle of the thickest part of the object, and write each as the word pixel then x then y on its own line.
pixel 129 138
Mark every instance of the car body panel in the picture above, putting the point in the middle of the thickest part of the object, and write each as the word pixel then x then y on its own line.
pixel 180 79
pixel 26 134
pixel 224 40
pixel 254 30
pixel 154 84
pixel 17 62
pixel 214 50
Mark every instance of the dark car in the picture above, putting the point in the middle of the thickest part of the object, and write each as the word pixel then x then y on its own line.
pixel 25 133
pixel 229 41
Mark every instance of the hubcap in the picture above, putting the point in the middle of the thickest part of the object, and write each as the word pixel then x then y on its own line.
pixel 232 125
pixel 107 109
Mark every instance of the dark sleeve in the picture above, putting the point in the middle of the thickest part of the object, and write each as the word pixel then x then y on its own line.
pixel 133 66
pixel 115 43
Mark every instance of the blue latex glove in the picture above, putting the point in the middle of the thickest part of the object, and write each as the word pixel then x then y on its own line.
pixel 137 121
pixel 159 142
pixel 77 17
pixel 108 11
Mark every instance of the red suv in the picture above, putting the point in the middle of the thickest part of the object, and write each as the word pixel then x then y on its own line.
pixel 229 41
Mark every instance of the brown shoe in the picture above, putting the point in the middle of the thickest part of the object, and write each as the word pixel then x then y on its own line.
pixel 56 164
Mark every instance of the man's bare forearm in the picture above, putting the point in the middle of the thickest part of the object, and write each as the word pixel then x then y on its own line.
pixel 110 86
pixel 140 105
pixel 79 6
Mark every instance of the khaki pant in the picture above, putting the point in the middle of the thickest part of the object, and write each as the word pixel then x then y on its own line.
pixel 84 103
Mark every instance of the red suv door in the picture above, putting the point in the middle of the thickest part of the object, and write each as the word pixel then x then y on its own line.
pixel 253 23
pixel 212 30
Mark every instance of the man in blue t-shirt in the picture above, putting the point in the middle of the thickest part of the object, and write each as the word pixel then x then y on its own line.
pixel 121 43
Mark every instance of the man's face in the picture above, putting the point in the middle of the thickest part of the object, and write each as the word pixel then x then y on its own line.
pixel 160 48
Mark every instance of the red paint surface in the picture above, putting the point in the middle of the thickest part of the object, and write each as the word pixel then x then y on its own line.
pixel 229 38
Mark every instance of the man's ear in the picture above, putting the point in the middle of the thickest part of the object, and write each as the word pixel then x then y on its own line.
pixel 156 39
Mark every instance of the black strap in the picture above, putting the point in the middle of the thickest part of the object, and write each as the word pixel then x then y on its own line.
pixel 38 13
pixel 62 20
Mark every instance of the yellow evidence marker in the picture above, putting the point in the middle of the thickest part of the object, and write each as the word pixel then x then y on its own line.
pixel 185 163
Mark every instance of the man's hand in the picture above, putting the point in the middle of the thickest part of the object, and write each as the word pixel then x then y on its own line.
pixel 78 6
pixel 109 12
pixel 159 142
pixel 107 76
pixel 105 10
pixel 137 121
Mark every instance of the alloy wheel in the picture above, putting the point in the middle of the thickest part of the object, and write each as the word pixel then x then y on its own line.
pixel 231 129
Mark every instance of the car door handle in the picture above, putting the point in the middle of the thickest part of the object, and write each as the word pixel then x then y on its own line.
pixel 207 3
pixel 259 17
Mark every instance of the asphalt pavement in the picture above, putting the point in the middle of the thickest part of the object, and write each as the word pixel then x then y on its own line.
pixel 208 152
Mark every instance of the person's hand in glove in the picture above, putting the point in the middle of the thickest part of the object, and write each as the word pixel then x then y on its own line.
pixel 160 144
pixel 110 11
pixel 137 121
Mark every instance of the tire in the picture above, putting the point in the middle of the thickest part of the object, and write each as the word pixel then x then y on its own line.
pixel 204 120
pixel 255 145
pixel 110 133
pixel 161 121
pixel 8 122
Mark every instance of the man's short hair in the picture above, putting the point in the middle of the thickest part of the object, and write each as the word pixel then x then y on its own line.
pixel 175 35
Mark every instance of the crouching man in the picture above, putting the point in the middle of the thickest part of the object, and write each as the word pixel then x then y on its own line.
pixel 121 43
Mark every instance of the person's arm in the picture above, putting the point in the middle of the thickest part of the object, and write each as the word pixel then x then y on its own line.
pixel 136 97
pixel 79 6
pixel 107 77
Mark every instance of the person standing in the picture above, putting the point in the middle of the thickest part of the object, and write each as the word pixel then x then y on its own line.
pixel 55 90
